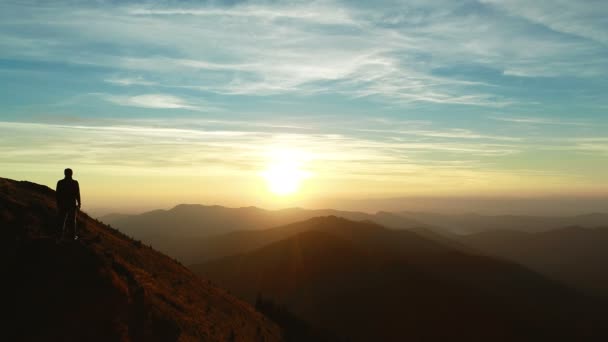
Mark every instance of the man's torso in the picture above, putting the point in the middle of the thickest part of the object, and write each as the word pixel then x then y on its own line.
pixel 67 192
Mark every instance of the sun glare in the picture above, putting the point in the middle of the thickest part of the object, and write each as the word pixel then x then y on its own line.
pixel 284 174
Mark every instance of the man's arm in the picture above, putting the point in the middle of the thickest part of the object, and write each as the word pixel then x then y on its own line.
pixel 78 194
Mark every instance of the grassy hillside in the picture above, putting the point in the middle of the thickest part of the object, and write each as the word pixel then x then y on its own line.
pixel 106 286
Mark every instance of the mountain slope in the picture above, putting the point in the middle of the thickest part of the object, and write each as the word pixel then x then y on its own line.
pixel 181 232
pixel 106 286
pixel 368 283
pixel 574 255
pixel 246 240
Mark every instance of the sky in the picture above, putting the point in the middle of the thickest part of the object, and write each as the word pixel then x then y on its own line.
pixel 158 103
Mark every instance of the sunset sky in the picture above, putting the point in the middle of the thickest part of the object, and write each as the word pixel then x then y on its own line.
pixel 158 103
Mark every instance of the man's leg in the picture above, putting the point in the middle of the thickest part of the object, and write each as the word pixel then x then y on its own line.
pixel 61 218
pixel 70 223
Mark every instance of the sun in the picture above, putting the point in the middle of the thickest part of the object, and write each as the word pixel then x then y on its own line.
pixel 284 173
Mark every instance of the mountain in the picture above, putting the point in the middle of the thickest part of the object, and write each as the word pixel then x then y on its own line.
pixel 184 231
pixel 188 232
pixel 475 223
pixel 241 241
pixel 105 286
pixel 365 282
pixel 574 255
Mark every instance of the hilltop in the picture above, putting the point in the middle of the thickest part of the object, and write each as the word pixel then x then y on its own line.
pixel 107 286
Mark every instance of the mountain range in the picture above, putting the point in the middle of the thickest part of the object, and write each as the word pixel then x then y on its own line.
pixel 350 275
pixel 182 231
pixel 194 233
pixel 474 223
pixel 370 283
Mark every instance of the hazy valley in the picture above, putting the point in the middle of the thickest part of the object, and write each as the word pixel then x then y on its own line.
pixel 319 263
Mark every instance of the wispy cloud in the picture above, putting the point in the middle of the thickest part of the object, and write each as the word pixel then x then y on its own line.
pixel 593 148
pixel 541 121
pixel 315 12
pixel 455 133
pixel 241 153
pixel 259 51
pixel 592 145
pixel 242 144
pixel 382 91
pixel 263 49
pixel 583 18
pixel 155 101
pixel 129 81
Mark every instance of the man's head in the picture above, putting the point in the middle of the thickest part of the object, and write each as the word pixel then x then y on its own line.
pixel 68 173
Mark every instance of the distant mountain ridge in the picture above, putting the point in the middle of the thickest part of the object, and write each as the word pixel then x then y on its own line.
pixel 194 233
pixel 183 230
pixel 205 220
pixel 475 223
pixel 367 283
pixel 242 241
pixel 106 286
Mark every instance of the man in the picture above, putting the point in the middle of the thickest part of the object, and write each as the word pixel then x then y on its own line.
pixel 68 199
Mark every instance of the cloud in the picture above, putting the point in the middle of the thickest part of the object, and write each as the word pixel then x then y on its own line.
pixel 314 12
pixel 541 121
pixel 156 101
pixel 197 151
pixel 382 91
pixel 261 49
pixel 171 144
pixel 583 18
pixel 590 145
pixel 594 148
pixel 384 52
pixel 454 133
pixel 129 81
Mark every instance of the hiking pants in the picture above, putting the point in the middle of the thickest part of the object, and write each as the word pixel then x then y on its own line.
pixel 66 223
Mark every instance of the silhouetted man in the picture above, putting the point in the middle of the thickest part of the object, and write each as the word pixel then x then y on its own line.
pixel 68 200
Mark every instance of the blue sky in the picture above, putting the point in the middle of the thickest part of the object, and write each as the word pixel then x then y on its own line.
pixel 387 98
